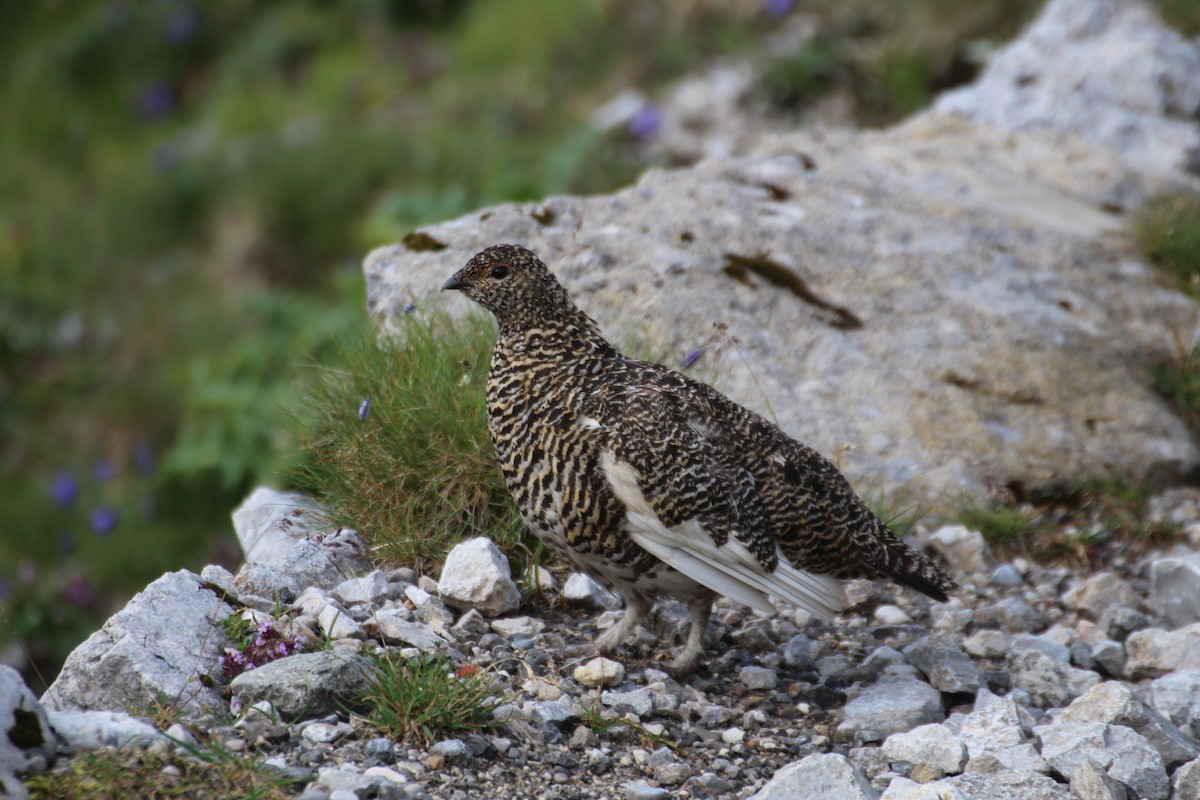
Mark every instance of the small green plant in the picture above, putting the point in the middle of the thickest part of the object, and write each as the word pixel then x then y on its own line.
pixel 1168 233
pixel 396 444
pixel 601 725
pixel 900 516
pixel 422 698
pixel 1178 380
pixel 209 772
pixel 1007 525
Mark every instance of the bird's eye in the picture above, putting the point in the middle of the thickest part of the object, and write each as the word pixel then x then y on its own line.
pixel 500 271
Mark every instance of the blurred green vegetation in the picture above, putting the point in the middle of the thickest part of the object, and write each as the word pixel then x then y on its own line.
pixel 187 190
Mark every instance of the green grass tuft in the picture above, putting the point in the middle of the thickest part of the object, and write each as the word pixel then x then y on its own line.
pixel 1168 233
pixel 418 473
pixel 424 698
pixel 209 772
pixel 1010 526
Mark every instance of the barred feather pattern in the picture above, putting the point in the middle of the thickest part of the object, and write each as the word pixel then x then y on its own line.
pixel 564 407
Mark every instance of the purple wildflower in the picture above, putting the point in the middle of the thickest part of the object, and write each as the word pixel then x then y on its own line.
pixel 183 24
pixel 250 665
pixel 645 124
pixel 104 520
pixel 104 470
pixel 235 705
pixel 364 409
pixel 64 493
pixel 281 649
pixel 778 8
pixel 77 591
pixel 156 100
pixel 143 456
pixel 237 656
pixel 690 359
pixel 409 308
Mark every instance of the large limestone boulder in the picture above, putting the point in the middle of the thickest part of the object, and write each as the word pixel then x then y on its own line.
pixel 941 307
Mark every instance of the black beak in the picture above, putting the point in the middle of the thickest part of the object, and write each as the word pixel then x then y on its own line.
pixel 453 283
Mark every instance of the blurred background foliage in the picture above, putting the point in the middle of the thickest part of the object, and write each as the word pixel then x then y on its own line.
pixel 187 189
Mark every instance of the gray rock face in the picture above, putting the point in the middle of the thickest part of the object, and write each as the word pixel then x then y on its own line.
pixel 928 744
pixel 25 731
pixel 994 724
pixel 1153 652
pixel 92 730
pixel 270 524
pixel 309 683
pixel 583 590
pixel 1104 70
pixel 1091 782
pixel 1185 782
pixel 828 776
pixel 318 560
pixel 1176 589
pixel 1049 681
pixel 965 551
pixel 393 625
pixel 1177 697
pixel 980 786
pixel 1099 592
pixel 955 336
pixel 944 663
pixel 1124 754
pixel 896 703
pixel 476 575
pixel 154 648
pixel 1114 703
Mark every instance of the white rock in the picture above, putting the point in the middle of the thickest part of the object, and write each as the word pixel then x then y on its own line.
pixel 964 550
pixel 1175 589
pixel 271 524
pixel 1153 651
pixel 891 615
pixel 1114 703
pixel 157 646
pixel 599 672
pixel 540 579
pixel 893 704
pixel 518 626
pixel 337 623
pixel 1122 752
pixel 987 644
pixel 929 744
pixel 393 625
pixel 417 595
pixel 994 724
pixel 1099 591
pixel 387 773
pixel 758 679
pixel 20 710
pixel 92 730
pixel 1177 697
pixel 733 735
pixel 1007 785
pixel 825 775
pixel 583 590
pixel 369 588
pixel 477 575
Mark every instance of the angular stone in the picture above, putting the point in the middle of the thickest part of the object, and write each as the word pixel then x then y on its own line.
pixel 25 732
pixel 312 684
pixel 393 625
pixel 943 662
pixel 271 524
pixel 828 776
pixel 1185 782
pixel 894 704
pixel 1114 703
pixel 1091 782
pixel 1098 592
pixel 994 724
pixel 583 590
pixel 1153 652
pixel 928 744
pixel 316 561
pixel 1004 785
pixel 518 626
pixel 1175 589
pixel 965 550
pixel 1122 752
pixel 801 651
pixel 1024 757
pixel 157 646
pixel 369 588
pixel 758 678
pixel 93 730
pixel 987 644
pixel 477 575
pixel 1119 621
pixel 1177 697
pixel 639 701
pixel 553 712
pixel 1016 615
pixel 1049 682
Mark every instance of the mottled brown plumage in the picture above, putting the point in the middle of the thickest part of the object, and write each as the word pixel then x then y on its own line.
pixel 659 485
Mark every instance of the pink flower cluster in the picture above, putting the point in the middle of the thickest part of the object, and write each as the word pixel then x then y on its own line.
pixel 267 646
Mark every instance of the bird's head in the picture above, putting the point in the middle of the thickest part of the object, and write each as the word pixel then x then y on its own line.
pixel 513 284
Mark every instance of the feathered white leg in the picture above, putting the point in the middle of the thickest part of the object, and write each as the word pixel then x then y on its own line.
pixel 635 609
pixel 701 610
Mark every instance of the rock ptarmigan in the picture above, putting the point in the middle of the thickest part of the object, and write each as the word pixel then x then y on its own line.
pixel 659 485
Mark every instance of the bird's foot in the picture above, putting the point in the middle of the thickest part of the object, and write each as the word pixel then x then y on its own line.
pixel 684 663
pixel 615 636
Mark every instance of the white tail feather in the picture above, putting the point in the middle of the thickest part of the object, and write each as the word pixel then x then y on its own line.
pixel 731 569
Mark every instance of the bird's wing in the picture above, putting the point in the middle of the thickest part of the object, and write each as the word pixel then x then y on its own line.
pixel 690 500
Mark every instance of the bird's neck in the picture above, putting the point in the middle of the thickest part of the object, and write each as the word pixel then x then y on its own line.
pixel 570 335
